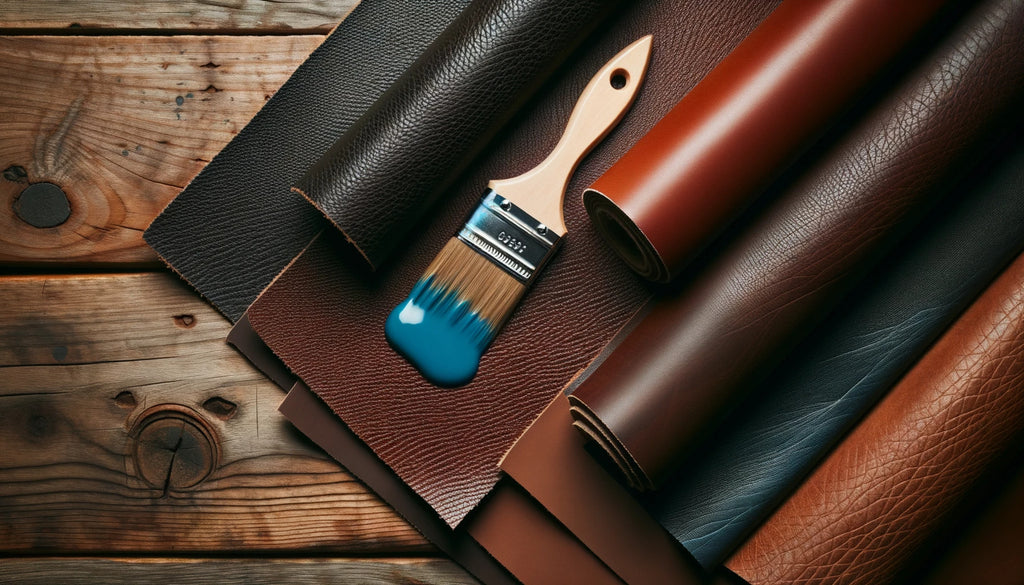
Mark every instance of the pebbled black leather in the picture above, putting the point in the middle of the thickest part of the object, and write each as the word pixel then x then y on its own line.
pixel 236 225
pixel 377 181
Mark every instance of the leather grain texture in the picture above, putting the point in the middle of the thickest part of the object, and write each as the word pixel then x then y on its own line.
pixel 509 532
pixel 379 180
pixel 324 316
pixel 237 225
pixel 801 410
pixel 902 470
pixel 693 357
pixel 723 143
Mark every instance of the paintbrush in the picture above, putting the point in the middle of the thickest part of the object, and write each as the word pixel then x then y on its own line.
pixel 469 290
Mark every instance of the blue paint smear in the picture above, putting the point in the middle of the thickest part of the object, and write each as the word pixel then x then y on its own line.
pixel 439 334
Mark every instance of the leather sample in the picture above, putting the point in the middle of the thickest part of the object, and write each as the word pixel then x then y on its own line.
pixel 765 448
pixel 902 470
pixel 237 225
pixel 549 462
pixel 324 316
pixel 379 179
pixel 691 358
pixel 247 343
pixel 508 527
pixel 986 544
pixel 721 144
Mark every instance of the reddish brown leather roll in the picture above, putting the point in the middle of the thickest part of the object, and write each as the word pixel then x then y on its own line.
pixel 720 145
pixel 899 474
pixel 690 359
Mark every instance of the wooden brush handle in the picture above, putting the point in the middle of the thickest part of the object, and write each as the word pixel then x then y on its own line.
pixel 602 104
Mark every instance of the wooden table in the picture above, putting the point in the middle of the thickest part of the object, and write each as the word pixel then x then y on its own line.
pixel 137 445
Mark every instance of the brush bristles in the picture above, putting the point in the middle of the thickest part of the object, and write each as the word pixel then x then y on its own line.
pixel 491 292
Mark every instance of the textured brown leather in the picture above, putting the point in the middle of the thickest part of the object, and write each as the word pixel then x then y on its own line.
pixel 325 317
pixel 508 527
pixel 378 180
pixel 986 545
pixel 721 144
pixel 688 361
pixel 549 461
pixel 861 515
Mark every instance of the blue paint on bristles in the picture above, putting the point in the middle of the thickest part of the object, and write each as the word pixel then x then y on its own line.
pixel 452 314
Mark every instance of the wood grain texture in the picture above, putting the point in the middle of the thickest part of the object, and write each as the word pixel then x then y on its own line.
pixel 118 396
pixel 240 15
pixel 121 124
pixel 231 572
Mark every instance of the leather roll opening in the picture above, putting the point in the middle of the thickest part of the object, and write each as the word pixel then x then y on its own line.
pixel 609 449
pixel 624 237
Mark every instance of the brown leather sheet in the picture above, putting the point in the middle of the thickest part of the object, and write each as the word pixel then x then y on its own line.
pixel 693 356
pixel 324 316
pixel 862 514
pixel 720 146
pixel 508 534
pixel 550 462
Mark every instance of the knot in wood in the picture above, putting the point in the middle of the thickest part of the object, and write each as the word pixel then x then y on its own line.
pixel 43 205
pixel 174 448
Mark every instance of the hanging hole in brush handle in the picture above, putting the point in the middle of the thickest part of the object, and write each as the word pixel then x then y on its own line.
pixel 603 102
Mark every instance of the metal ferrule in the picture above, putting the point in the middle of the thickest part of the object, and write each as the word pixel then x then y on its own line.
pixel 508 236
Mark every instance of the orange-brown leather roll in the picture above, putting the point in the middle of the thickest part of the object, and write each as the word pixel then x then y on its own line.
pixel 860 517
pixel 692 357
pixel 724 141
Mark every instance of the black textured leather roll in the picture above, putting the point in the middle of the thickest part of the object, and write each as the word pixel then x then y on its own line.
pixel 801 410
pixel 376 181
pixel 236 225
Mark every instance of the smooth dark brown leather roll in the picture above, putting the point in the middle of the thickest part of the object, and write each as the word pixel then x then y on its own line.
pixel 237 224
pixel 688 361
pixel 716 150
pixel 324 317
pixel 900 473
pixel 379 179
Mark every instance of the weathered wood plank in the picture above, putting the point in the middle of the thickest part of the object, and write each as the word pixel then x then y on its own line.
pixel 237 15
pixel 121 124
pixel 232 571
pixel 128 425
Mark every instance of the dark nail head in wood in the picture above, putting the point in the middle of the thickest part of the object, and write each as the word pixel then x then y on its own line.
pixel 43 205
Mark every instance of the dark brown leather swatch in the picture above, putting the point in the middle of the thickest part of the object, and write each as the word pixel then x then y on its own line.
pixel 324 317
pixel 690 359
pixel 237 225
pixel 723 143
pixel 380 178
pixel 893 480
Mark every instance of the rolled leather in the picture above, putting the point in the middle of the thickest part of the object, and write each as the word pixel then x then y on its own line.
pixel 718 148
pixel 770 443
pixel 237 224
pixel 678 371
pixel 379 179
pixel 324 317
pixel 904 468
